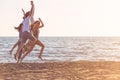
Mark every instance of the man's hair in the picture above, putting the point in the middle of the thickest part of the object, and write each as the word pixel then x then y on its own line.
pixel 27 14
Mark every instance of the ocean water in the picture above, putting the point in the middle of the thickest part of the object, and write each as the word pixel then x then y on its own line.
pixel 66 49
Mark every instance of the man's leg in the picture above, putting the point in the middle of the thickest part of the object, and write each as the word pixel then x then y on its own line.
pixel 33 41
pixel 19 49
pixel 19 56
pixel 29 47
pixel 25 54
pixel 22 43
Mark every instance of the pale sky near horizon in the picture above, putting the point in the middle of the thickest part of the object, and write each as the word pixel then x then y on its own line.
pixel 64 17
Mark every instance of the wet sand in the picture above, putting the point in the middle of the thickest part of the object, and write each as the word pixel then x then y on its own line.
pixel 82 70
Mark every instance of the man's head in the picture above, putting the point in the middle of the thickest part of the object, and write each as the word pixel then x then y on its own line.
pixel 26 14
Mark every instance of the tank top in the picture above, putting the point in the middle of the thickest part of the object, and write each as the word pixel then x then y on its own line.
pixel 26 23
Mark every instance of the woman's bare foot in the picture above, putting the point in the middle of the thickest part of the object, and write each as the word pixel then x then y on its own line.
pixel 15 57
pixel 40 57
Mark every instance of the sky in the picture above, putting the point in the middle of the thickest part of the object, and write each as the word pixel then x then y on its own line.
pixel 64 17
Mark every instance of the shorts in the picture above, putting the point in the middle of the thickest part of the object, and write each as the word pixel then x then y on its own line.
pixel 26 35
pixel 19 43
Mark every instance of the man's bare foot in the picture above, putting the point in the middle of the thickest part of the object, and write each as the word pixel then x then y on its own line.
pixel 20 61
pixel 17 61
pixel 10 52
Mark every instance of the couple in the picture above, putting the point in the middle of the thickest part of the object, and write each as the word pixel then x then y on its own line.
pixel 27 31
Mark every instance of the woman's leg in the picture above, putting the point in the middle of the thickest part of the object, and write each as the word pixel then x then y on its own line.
pixel 42 48
pixel 29 48
pixel 23 56
pixel 19 56
pixel 18 51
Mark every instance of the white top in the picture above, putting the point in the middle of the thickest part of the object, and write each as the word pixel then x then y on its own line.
pixel 26 23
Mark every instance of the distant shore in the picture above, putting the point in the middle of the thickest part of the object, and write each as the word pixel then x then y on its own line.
pixel 81 70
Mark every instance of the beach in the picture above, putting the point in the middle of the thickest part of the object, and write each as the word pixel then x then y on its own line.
pixel 78 70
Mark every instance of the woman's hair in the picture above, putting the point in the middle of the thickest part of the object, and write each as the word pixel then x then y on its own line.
pixel 19 27
pixel 34 24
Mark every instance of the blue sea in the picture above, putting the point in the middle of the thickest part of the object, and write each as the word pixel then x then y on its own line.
pixel 59 49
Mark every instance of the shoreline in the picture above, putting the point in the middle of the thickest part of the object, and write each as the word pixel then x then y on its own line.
pixel 79 70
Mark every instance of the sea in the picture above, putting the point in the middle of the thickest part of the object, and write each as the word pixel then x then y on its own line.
pixel 61 49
